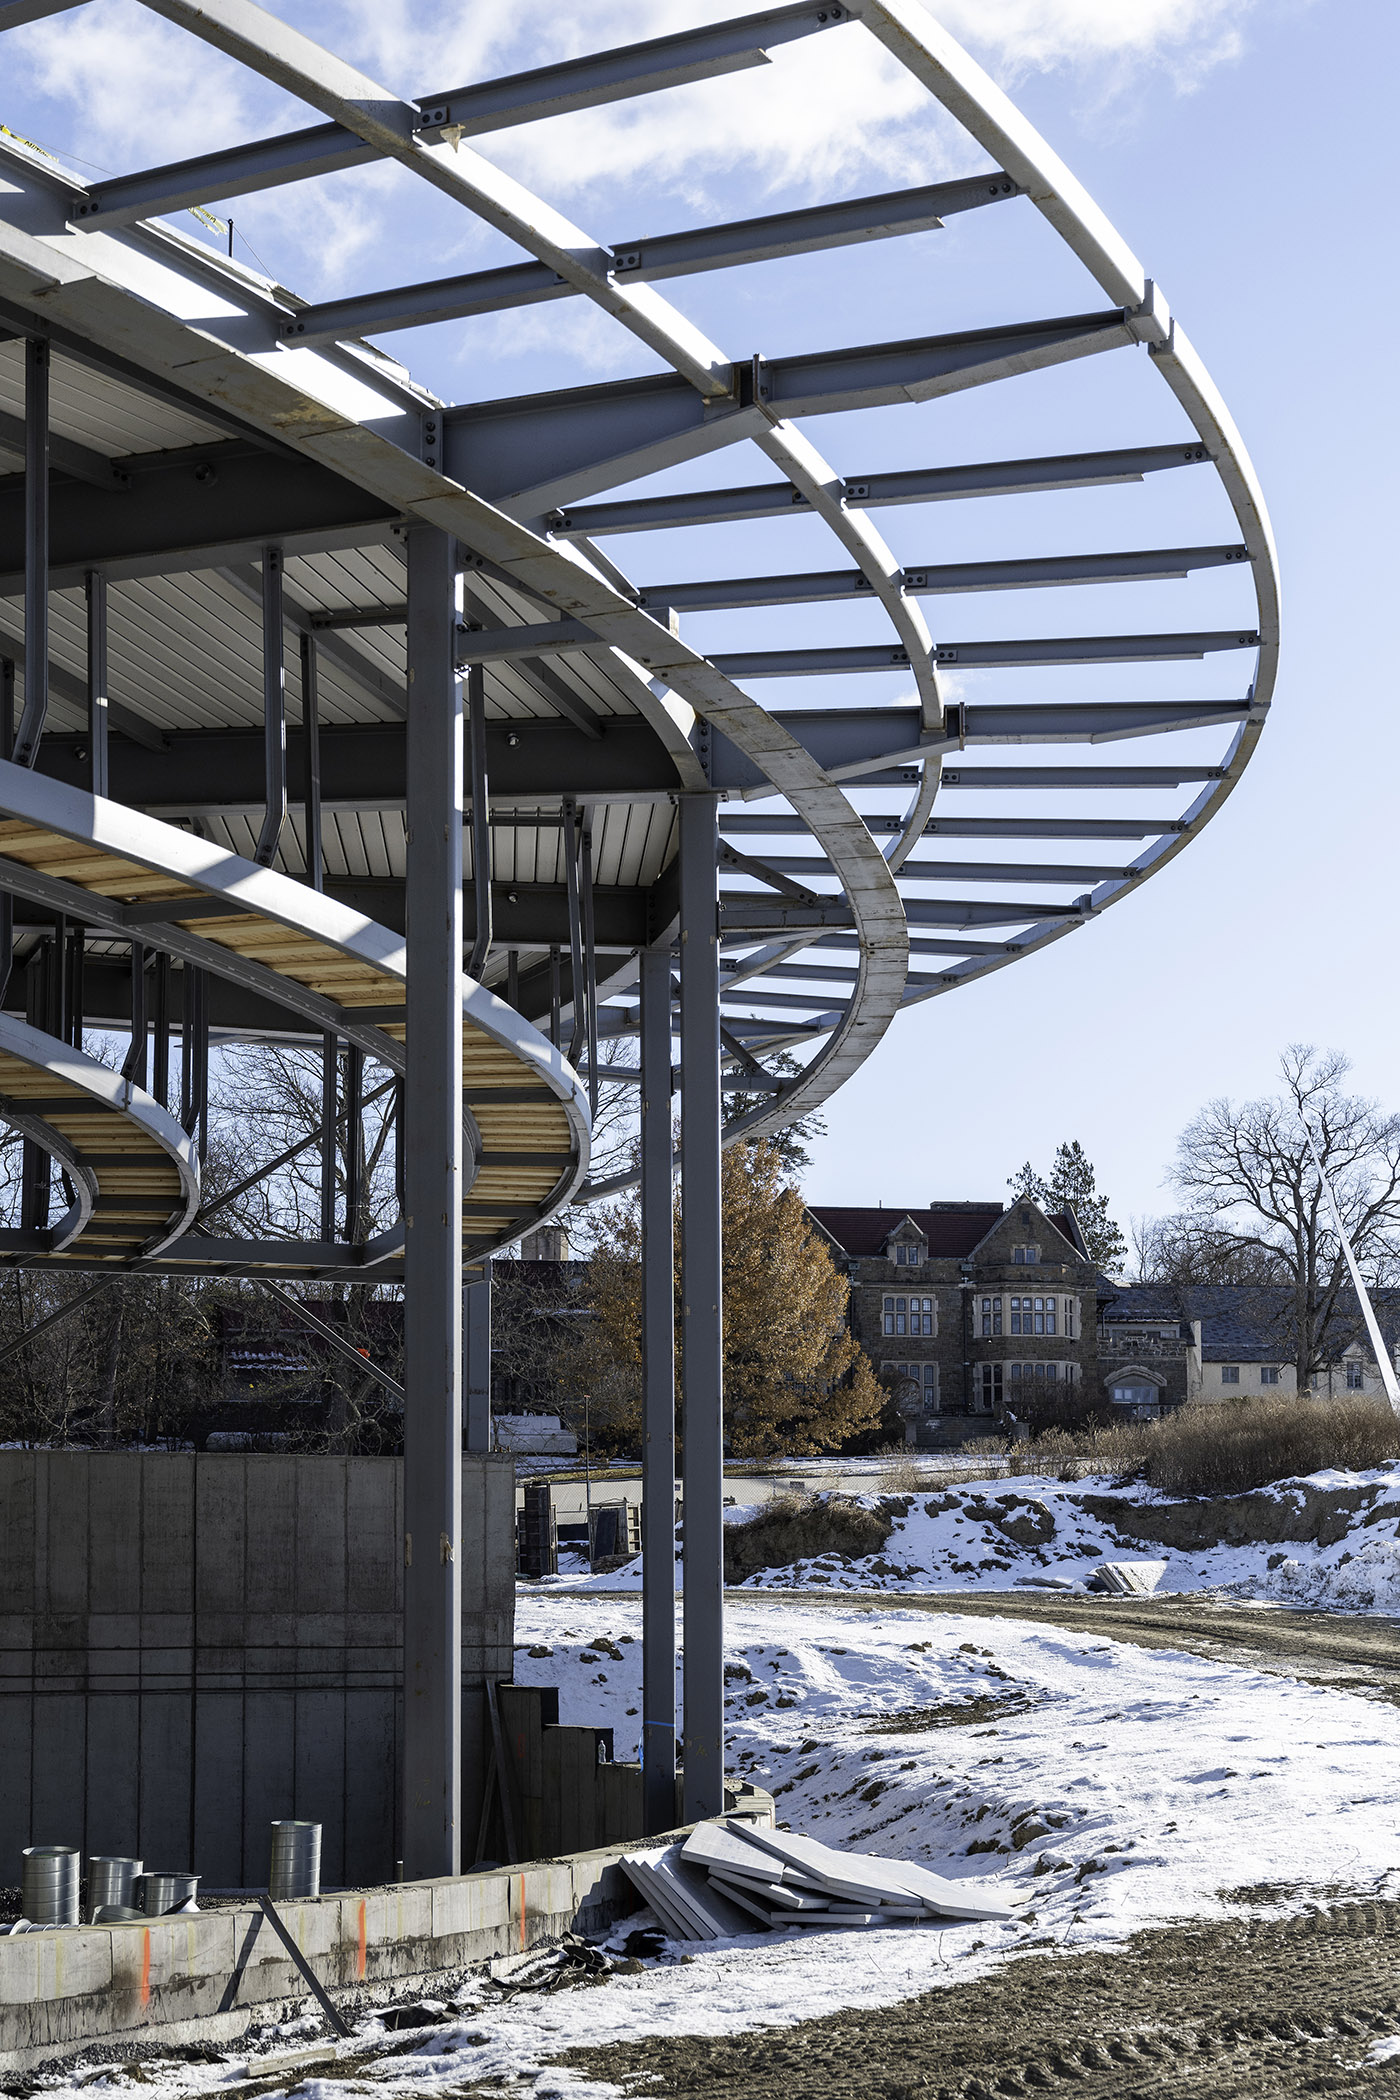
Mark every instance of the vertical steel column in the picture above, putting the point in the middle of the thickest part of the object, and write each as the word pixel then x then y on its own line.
pixel 554 997
pixel 476 1338
pixel 7 743
pixel 36 551
pixel 134 1063
pixel 355 1229
pixel 701 1313
pixel 274 710
pixel 432 1476
pixel 160 1029
pixel 658 1403
pixel 577 1001
pixel 95 584
pixel 330 1064
pixel 35 1170
pixel 481 821
pixel 311 738
pixel 590 964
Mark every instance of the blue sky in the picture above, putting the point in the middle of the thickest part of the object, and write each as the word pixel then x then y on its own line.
pixel 1247 155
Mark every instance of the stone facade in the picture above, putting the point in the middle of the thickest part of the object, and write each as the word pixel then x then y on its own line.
pixel 971 1311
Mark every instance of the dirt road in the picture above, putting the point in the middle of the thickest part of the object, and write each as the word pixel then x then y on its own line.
pixel 1202 2012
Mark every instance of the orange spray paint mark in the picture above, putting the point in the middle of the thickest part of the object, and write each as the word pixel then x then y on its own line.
pixel 146 1966
pixel 360 1967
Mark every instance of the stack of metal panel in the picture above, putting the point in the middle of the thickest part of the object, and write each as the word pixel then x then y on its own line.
pixel 722 1877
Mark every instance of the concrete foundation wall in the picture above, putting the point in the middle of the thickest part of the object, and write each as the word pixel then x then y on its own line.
pixel 192 1644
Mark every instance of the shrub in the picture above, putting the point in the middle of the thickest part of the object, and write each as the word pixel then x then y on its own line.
pixel 1247 1443
pixel 1229 1449
pixel 801 1527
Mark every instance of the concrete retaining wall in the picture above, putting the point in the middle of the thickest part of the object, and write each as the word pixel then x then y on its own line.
pixel 208 1977
pixel 193 1644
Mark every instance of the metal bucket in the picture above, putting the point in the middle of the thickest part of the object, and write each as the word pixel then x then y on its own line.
pixel 295 1872
pixel 50 1885
pixel 111 1881
pixel 162 1893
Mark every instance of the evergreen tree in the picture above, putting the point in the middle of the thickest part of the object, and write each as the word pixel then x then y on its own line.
pixel 1071 1185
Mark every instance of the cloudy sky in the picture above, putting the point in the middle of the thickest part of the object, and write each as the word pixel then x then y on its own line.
pixel 1247 153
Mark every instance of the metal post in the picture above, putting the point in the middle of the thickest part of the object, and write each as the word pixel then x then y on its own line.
pixel 577 1002
pixel 481 821
pixel 96 587
pixel 330 1065
pixel 355 1231
pixel 658 1403
pixel 34 1161
pixel 311 733
pixel 555 999
pixel 7 902
pixel 701 1316
pixel 476 1336
pixel 432 1476
pixel 160 1025
pixel 274 710
pixel 36 551
pixel 590 963
pixel 134 1063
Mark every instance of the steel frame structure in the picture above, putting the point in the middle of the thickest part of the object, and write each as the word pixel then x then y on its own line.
pixel 487 895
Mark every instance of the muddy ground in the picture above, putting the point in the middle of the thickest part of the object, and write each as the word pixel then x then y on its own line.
pixel 1234 2012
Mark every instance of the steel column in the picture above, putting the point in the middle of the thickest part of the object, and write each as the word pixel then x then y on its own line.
pixel 431 1839
pixel 95 585
pixel 36 550
pixel 274 710
pixel 476 1349
pixel 356 1230
pixel 481 821
pixel 658 1401
pixel 702 1332
pixel 311 735
pixel 134 1063
pixel 7 902
pixel 590 963
pixel 160 1055
pixel 330 1065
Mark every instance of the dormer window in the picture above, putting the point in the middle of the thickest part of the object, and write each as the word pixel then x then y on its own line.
pixel 1025 1254
pixel 908 1256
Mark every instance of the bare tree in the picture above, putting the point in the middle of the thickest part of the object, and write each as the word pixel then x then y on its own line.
pixel 1255 1197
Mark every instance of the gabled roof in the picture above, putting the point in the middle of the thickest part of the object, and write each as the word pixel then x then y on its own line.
pixel 1246 1323
pixel 952 1234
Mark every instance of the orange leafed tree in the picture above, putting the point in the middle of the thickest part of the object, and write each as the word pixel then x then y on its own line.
pixel 794 1381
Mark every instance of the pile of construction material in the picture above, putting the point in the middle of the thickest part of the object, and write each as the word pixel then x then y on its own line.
pixel 724 1877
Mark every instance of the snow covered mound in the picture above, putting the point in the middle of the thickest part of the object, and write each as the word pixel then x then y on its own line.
pixel 1328 1539
pixel 1368 1580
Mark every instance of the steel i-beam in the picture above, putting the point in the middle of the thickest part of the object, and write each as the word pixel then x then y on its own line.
pixel 658 1401
pixel 432 1776
pixel 702 1372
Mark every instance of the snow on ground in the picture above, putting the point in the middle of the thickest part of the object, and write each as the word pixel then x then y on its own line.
pixel 1099 1788
pixel 996 1534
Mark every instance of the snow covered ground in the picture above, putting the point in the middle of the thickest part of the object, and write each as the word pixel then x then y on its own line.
pixel 997 1534
pixel 1099 1787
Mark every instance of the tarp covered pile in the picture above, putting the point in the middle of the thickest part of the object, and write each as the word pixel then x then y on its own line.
pixel 723 1877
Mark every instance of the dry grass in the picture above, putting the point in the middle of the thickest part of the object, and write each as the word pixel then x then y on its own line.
pixel 801 1527
pixel 1230 1449
pixel 902 1476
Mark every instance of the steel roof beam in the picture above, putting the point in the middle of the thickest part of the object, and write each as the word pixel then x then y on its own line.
pixel 1054 649
pixel 743 913
pixel 246 579
pixel 1076 778
pixel 968 827
pixel 920 580
pixel 849 741
pixel 954 870
pixel 14 14
pixel 779 499
pixel 186 504
pixel 650 259
pixel 66 456
pixel 72 690
pixel 470 112
pixel 531 454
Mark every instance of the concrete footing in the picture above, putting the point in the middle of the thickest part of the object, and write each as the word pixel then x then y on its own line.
pixel 211 1976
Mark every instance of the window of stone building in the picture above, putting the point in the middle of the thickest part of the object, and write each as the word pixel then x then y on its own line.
pixel 1070 1309
pixel 922 1376
pixel 1033 1316
pixel 1229 1374
pixel 1268 1374
pixel 908 1257
pixel 1025 1254
pixel 1040 1370
pixel 987 1391
pixel 991 1316
pixel 1356 1378
pixel 910 1316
